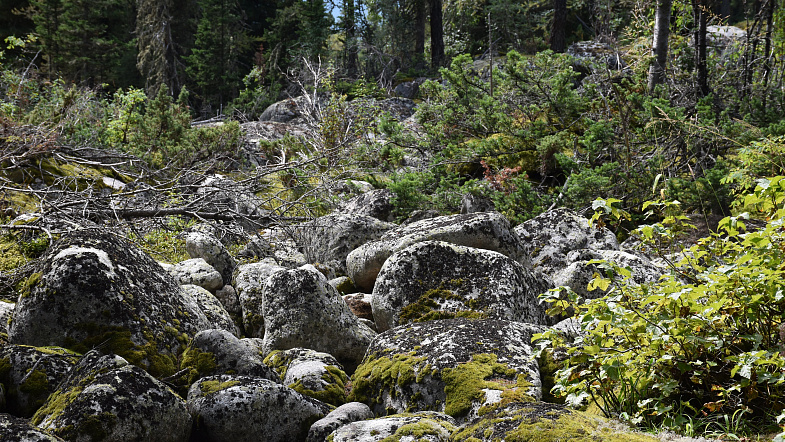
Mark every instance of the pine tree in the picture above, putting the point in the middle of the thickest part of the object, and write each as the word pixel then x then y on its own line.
pixel 46 15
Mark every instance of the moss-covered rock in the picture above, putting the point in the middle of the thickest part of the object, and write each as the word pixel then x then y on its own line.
pixel 211 307
pixel 242 408
pixel 454 366
pixel 106 399
pixel 216 352
pixel 542 422
pixel 31 374
pixel 312 373
pixel 248 282
pixel 95 290
pixel 438 280
pixel 301 309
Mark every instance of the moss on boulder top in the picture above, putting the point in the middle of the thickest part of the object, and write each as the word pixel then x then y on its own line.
pixel 455 366
pixel 542 422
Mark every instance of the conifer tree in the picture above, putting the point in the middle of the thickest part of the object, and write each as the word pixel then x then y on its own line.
pixel 164 32
pixel 300 29
pixel 84 41
pixel 214 63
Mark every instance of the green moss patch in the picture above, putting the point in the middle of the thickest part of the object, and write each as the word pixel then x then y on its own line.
pixel 26 285
pixel 372 378
pixel 198 363
pixel 334 392
pixel 210 387
pixel 428 307
pixel 423 427
pixel 278 361
pixel 56 404
pixel 464 383
pixel 541 422
pixel 118 340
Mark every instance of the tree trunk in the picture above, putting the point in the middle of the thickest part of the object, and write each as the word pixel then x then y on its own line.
pixel 419 34
pixel 351 40
pixel 559 25
pixel 659 48
pixel 437 35
pixel 701 11
pixel 767 52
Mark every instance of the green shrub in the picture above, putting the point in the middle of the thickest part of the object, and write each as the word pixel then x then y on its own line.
pixel 699 345
pixel 706 194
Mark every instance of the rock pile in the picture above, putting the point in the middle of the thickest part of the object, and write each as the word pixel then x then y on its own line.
pixel 104 344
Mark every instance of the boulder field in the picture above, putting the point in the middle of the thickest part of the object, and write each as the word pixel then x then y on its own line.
pixel 349 328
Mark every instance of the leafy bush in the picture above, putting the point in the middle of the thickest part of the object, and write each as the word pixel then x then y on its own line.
pixel 698 346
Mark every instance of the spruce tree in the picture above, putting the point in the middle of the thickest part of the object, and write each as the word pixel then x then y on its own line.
pixel 214 64
pixel 164 32
pixel 85 41
pixel 300 29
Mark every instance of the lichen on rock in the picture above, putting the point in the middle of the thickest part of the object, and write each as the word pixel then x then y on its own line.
pixel 96 289
pixel 242 408
pixel 439 280
pixel 455 366
pixel 543 422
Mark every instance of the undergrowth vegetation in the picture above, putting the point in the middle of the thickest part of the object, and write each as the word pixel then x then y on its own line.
pixel 703 347
pixel 700 351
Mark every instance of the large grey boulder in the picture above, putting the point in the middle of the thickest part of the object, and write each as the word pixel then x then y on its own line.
pixel 438 280
pixel 550 236
pixel 312 373
pixel 490 231
pixel 292 110
pixel 31 374
pixel 247 409
pixel 345 414
pixel 548 422
pixel 455 366
pixel 301 309
pixel 16 429
pixel 217 352
pixel 424 426
pixel 211 307
pixel 332 237
pixel 197 271
pixel 95 289
pixel 106 399
pixel 376 203
pixel 248 282
pixel 202 244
